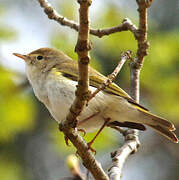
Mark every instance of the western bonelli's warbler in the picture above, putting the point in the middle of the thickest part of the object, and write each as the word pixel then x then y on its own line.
pixel 53 76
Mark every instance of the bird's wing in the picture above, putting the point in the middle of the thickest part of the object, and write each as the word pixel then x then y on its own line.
pixel 96 79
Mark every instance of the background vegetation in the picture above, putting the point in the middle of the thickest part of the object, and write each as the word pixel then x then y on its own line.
pixel 31 147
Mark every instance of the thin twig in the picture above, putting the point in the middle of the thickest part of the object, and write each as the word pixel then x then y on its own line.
pixel 143 45
pixel 119 157
pixel 124 56
pixel 131 136
pixel 53 14
pixel 126 25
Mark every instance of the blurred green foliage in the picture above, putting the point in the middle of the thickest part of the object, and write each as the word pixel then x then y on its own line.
pixel 16 107
pixel 17 111
pixel 160 74
pixel 19 114
pixel 10 169
pixel 6 33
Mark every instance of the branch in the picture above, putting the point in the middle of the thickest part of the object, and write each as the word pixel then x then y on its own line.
pixel 131 136
pixel 53 14
pixel 143 45
pixel 68 127
pixel 126 25
pixel 82 48
pixel 119 157
pixel 124 56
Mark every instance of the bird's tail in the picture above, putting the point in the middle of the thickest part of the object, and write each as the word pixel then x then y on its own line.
pixel 160 125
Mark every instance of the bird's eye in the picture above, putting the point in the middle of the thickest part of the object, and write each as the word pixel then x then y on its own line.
pixel 39 57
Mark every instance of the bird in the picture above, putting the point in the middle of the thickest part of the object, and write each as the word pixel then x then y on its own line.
pixel 54 76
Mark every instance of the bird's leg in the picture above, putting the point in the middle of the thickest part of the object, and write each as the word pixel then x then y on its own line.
pixel 84 120
pixel 88 118
pixel 99 131
pixel 83 131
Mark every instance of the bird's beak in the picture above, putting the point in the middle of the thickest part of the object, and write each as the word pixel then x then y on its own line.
pixel 24 57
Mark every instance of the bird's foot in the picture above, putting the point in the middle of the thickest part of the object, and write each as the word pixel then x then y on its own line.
pixel 97 134
pixel 90 148
pixel 83 131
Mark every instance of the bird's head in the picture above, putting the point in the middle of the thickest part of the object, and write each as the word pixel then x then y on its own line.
pixel 43 59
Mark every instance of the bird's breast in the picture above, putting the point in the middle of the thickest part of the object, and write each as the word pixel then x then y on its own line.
pixel 37 80
pixel 61 93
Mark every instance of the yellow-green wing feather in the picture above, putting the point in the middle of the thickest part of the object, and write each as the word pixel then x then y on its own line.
pixel 96 79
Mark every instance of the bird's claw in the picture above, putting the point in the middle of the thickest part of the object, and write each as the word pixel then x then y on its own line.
pixel 90 148
pixel 83 131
